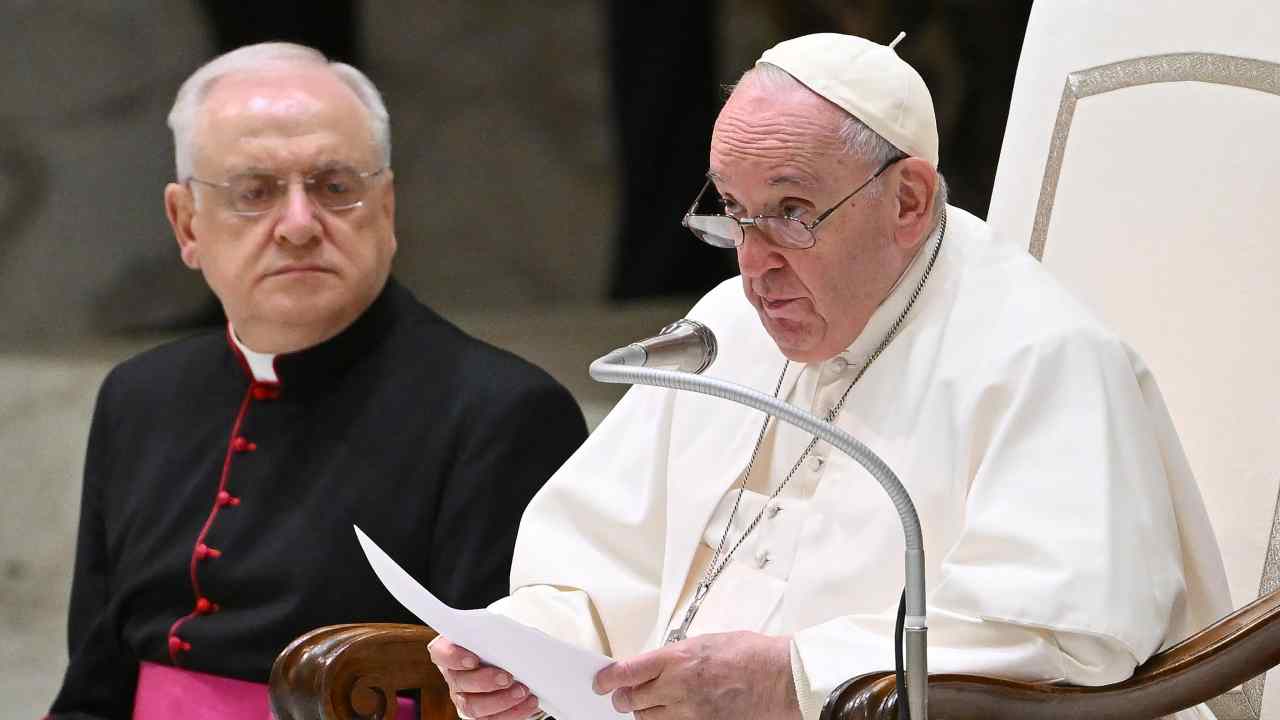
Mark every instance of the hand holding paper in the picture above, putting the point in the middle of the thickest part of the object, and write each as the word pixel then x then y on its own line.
pixel 559 674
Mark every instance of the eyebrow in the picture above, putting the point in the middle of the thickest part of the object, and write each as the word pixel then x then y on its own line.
pixel 319 167
pixel 804 181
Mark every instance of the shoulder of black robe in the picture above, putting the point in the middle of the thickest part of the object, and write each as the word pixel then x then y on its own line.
pixel 203 485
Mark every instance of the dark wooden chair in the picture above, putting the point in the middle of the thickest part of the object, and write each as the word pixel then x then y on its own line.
pixel 342 672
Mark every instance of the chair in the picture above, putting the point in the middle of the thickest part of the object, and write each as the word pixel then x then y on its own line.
pixel 344 672
pixel 1138 162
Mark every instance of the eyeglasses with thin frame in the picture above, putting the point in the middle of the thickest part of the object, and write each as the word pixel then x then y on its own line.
pixel 727 231
pixel 257 193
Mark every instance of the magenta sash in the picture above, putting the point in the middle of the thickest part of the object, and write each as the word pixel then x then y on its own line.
pixel 165 693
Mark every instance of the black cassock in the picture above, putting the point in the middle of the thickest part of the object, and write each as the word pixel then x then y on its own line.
pixel 216 516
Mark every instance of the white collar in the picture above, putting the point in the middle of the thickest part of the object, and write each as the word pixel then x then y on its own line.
pixel 262 365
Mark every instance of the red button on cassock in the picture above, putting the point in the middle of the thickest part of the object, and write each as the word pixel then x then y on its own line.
pixel 176 644
pixel 204 551
pixel 265 392
pixel 242 444
pixel 226 498
pixel 203 606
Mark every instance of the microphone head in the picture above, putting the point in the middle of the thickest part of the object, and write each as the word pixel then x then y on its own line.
pixel 685 345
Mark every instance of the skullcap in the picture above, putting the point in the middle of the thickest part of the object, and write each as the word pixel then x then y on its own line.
pixel 869 81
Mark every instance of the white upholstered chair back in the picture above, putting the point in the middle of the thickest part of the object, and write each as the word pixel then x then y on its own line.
pixel 1141 163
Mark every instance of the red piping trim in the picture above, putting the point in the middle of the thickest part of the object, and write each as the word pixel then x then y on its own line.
pixel 173 630
pixel 208 523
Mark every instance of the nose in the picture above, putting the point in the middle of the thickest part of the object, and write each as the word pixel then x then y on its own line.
pixel 297 224
pixel 756 255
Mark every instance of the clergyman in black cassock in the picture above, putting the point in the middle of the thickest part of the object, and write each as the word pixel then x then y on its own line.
pixel 225 471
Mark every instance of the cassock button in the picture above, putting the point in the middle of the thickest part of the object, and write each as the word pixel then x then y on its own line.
pixel 242 444
pixel 815 463
pixel 839 363
pixel 203 606
pixel 204 551
pixel 762 558
pixel 226 498
pixel 265 392
pixel 774 510
pixel 176 644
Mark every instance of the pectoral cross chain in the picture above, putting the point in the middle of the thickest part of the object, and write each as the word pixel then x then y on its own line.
pixel 682 632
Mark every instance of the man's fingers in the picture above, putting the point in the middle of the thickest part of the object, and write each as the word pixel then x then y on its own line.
pixel 650 695
pixel 483 680
pixel 622 700
pixel 657 713
pixel 451 657
pixel 524 709
pixel 488 704
pixel 631 672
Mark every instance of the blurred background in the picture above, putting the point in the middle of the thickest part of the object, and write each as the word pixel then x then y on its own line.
pixel 544 153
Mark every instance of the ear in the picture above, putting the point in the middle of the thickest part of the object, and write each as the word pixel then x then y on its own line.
pixel 914 196
pixel 179 206
pixel 388 207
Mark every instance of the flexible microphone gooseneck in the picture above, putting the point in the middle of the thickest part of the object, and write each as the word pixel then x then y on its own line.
pixel 690 348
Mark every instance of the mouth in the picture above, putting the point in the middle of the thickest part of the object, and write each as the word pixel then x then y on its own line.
pixel 776 303
pixel 299 270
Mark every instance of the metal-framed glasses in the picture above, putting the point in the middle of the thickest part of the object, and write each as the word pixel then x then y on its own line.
pixel 258 193
pixel 727 231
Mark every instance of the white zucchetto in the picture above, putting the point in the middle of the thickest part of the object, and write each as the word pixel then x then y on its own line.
pixel 869 81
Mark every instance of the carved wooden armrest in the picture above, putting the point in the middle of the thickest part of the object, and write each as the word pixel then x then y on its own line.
pixel 344 672
pixel 1237 647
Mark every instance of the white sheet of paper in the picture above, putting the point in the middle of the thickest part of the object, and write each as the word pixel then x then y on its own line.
pixel 558 673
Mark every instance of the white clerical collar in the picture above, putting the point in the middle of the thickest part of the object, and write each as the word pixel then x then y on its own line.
pixel 262 365
pixel 877 328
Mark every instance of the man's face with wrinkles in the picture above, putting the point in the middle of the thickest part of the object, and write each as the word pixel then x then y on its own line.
pixel 777 151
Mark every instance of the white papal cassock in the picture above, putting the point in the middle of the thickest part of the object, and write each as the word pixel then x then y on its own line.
pixel 1064 534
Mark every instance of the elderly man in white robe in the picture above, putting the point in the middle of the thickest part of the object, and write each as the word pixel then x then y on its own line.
pixel 736 568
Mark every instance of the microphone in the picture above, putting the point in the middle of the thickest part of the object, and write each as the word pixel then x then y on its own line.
pixel 684 345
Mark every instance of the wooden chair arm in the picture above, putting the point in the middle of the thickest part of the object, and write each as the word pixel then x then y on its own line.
pixel 345 672
pixel 1241 645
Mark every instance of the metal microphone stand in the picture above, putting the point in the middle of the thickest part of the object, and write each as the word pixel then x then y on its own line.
pixel 614 368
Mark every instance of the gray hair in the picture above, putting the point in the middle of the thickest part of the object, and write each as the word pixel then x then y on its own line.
pixel 186 106
pixel 859 139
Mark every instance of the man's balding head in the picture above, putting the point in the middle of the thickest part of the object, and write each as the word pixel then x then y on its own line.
pixel 268 57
